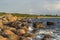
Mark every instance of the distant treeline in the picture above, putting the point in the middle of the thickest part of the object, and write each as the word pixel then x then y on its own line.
pixel 51 15
pixel 27 15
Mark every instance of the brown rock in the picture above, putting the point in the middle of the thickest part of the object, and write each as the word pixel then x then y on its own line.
pixel 31 35
pixel 12 29
pixel 10 18
pixel 25 27
pixel 13 37
pixel 13 19
pixel 21 31
pixel 47 36
pixel 2 38
pixel 23 38
pixel 5 20
pixel 7 32
pixel 40 25
pixel 1 23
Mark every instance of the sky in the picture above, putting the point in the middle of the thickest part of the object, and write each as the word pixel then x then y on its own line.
pixel 31 6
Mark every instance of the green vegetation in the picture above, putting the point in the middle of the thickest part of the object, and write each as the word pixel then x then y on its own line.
pixel 24 15
pixel 2 13
pixel 28 15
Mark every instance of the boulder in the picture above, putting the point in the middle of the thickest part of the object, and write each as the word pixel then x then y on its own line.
pixel 40 25
pixel 21 31
pixel 1 23
pixel 47 37
pixel 13 19
pixel 9 18
pixel 50 23
pixel 31 35
pixel 7 32
pixel 13 37
pixel 2 38
pixel 23 38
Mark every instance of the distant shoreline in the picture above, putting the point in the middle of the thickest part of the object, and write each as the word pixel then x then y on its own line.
pixel 31 16
pixel 49 17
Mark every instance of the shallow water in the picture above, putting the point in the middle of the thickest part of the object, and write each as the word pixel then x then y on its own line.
pixel 54 29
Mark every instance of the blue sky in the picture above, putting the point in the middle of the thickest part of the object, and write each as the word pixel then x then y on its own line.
pixel 31 6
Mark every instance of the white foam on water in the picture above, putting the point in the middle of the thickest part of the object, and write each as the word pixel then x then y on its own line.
pixel 53 33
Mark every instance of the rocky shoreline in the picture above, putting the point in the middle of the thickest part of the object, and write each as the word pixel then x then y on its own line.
pixel 16 28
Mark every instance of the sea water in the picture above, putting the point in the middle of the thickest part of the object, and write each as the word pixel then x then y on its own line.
pixel 53 30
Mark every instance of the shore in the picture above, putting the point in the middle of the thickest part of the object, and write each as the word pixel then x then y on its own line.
pixel 41 17
pixel 18 27
pixel 48 17
pixel 30 16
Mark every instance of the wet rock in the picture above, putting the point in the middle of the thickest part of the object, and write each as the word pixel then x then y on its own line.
pixel 38 25
pixel 47 37
pixel 50 23
pixel 30 29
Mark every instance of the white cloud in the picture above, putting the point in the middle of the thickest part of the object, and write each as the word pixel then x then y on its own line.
pixel 31 10
pixel 52 6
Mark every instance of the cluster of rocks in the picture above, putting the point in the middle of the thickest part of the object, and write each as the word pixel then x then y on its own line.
pixel 12 28
pixel 15 28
